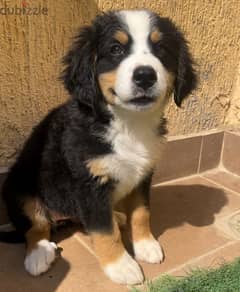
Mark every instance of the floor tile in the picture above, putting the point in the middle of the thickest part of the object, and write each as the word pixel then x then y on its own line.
pixel 226 179
pixel 225 254
pixel 201 195
pixel 85 274
pixel 231 158
pixel 180 158
pixel 14 278
pixel 211 151
pixel 76 270
pixel 183 216
pixel 230 225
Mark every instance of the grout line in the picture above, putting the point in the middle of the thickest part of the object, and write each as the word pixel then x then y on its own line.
pixel 210 171
pixel 201 133
pixel 222 151
pixel 233 132
pixel 217 170
pixel 176 180
pixel 224 169
pixel 200 174
pixel 230 233
pixel 231 173
pixel 84 244
pixel 220 185
pixel 200 155
pixel 197 259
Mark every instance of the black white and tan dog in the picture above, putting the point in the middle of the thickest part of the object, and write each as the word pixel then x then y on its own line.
pixel 97 151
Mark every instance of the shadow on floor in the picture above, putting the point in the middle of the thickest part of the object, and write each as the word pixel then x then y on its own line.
pixel 173 206
pixel 13 276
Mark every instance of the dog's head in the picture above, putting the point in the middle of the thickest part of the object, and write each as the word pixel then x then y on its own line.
pixel 129 59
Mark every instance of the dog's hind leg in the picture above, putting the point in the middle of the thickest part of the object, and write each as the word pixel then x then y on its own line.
pixel 40 252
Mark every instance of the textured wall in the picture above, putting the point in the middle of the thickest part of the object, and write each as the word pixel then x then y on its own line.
pixel 30 52
pixel 31 47
pixel 233 114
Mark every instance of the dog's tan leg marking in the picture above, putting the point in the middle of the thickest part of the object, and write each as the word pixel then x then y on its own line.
pixel 117 264
pixel 97 169
pixel 140 223
pixel 145 246
pixel 40 252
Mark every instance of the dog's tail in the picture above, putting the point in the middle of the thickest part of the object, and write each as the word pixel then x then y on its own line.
pixel 9 235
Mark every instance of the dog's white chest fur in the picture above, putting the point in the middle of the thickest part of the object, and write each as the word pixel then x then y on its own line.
pixel 136 148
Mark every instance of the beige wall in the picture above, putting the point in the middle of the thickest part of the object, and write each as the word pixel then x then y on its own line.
pixel 31 47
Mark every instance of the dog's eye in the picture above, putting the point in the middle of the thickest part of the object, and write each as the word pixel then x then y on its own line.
pixel 161 49
pixel 116 50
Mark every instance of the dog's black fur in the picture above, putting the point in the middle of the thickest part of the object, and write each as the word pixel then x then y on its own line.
pixel 52 165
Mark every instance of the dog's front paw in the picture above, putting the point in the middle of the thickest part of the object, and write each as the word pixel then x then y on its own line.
pixel 124 270
pixel 41 257
pixel 148 250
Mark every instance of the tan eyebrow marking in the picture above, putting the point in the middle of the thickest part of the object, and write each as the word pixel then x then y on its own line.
pixel 155 36
pixel 121 36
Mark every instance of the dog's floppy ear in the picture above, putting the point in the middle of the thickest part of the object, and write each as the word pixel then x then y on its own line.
pixel 78 75
pixel 186 79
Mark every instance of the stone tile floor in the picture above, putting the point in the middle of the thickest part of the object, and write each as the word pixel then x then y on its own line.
pixel 196 219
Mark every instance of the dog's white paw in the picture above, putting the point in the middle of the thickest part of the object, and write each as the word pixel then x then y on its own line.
pixel 125 270
pixel 148 250
pixel 40 258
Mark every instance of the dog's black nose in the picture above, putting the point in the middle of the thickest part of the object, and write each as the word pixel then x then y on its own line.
pixel 144 76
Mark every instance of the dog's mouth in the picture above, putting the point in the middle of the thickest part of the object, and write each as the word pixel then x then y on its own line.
pixel 142 100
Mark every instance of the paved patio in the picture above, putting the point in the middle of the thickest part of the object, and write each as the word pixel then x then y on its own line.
pixel 196 220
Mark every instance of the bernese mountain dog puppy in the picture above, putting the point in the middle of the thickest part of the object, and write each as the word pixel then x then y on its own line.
pixel 95 154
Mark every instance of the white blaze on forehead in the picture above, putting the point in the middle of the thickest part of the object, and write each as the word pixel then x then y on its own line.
pixel 139 25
